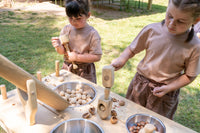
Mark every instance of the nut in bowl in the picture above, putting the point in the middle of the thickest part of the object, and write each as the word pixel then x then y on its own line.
pixel 76 93
pixel 137 122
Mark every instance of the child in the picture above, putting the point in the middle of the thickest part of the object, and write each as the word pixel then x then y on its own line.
pixel 172 58
pixel 84 41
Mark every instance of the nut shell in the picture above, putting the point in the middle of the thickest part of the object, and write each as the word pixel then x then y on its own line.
pixel 113 113
pixel 86 115
pixel 92 110
pixel 113 120
pixel 114 99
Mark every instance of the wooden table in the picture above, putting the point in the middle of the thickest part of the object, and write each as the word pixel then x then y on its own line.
pixel 12 117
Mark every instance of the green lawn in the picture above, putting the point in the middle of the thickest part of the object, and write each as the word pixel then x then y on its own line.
pixel 25 39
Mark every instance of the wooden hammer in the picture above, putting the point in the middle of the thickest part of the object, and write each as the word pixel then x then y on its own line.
pixel 64 39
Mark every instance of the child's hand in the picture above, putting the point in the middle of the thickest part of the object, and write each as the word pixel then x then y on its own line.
pixel 198 35
pixel 72 56
pixel 55 42
pixel 160 91
pixel 117 63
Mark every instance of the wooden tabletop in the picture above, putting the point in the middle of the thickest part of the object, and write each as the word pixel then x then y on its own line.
pixel 12 117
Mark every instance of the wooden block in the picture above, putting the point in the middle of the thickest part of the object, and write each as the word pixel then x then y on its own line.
pixel 108 76
pixel 3 92
pixel 104 107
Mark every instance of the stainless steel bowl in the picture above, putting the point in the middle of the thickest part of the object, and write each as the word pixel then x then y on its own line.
pixel 77 125
pixel 89 89
pixel 132 120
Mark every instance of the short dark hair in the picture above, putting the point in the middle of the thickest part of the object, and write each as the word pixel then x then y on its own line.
pixel 75 8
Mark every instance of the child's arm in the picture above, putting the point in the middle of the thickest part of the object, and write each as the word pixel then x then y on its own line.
pixel 57 45
pixel 176 84
pixel 85 58
pixel 122 59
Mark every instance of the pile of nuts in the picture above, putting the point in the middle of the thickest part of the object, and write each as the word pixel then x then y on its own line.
pixel 137 126
pixel 75 97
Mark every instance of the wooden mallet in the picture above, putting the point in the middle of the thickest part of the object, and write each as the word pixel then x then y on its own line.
pixel 64 39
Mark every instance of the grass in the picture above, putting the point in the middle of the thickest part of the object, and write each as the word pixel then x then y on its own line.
pixel 25 39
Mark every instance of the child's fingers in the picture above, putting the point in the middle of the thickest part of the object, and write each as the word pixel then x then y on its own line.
pixel 55 38
pixel 156 91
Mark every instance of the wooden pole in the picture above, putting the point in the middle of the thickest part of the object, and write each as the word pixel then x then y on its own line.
pixel 57 68
pixel 3 92
pixel 39 76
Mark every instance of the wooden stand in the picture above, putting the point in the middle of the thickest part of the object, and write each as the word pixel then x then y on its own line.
pixel 105 102
pixel 29 101
pixel 18 77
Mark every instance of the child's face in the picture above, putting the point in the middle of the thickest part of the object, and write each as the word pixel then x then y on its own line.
pixel 78 22
pixel 177 21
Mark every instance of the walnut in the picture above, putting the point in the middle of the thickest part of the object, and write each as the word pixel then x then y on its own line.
pixel 113 120
pixel 121 103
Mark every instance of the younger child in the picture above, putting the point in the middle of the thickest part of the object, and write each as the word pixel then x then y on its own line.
pixel 84 41
pixel 172 58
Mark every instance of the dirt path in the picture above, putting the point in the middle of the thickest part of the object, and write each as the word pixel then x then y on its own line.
pixel 51 8
pixel 46 6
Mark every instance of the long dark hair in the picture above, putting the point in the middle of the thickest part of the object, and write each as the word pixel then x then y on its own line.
pixel 190 6
pixel 75 8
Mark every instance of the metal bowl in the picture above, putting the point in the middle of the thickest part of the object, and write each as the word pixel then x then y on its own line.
pixel 77 125
pixel 132 120
pixel 87 88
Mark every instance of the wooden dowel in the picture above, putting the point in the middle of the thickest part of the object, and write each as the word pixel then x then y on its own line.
pixel 3 92
pixel 39 75
pixel 57 68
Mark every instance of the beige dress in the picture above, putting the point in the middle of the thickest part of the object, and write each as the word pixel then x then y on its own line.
pixel 84 40
pixel 167 58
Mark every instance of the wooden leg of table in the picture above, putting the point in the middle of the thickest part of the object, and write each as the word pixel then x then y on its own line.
pixel 29 101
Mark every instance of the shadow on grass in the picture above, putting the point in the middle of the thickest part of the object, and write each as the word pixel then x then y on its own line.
pixel 106 13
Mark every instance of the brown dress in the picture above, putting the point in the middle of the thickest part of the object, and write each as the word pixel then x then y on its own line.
pixel 140 92
pixel 167 57
pixel 85 70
